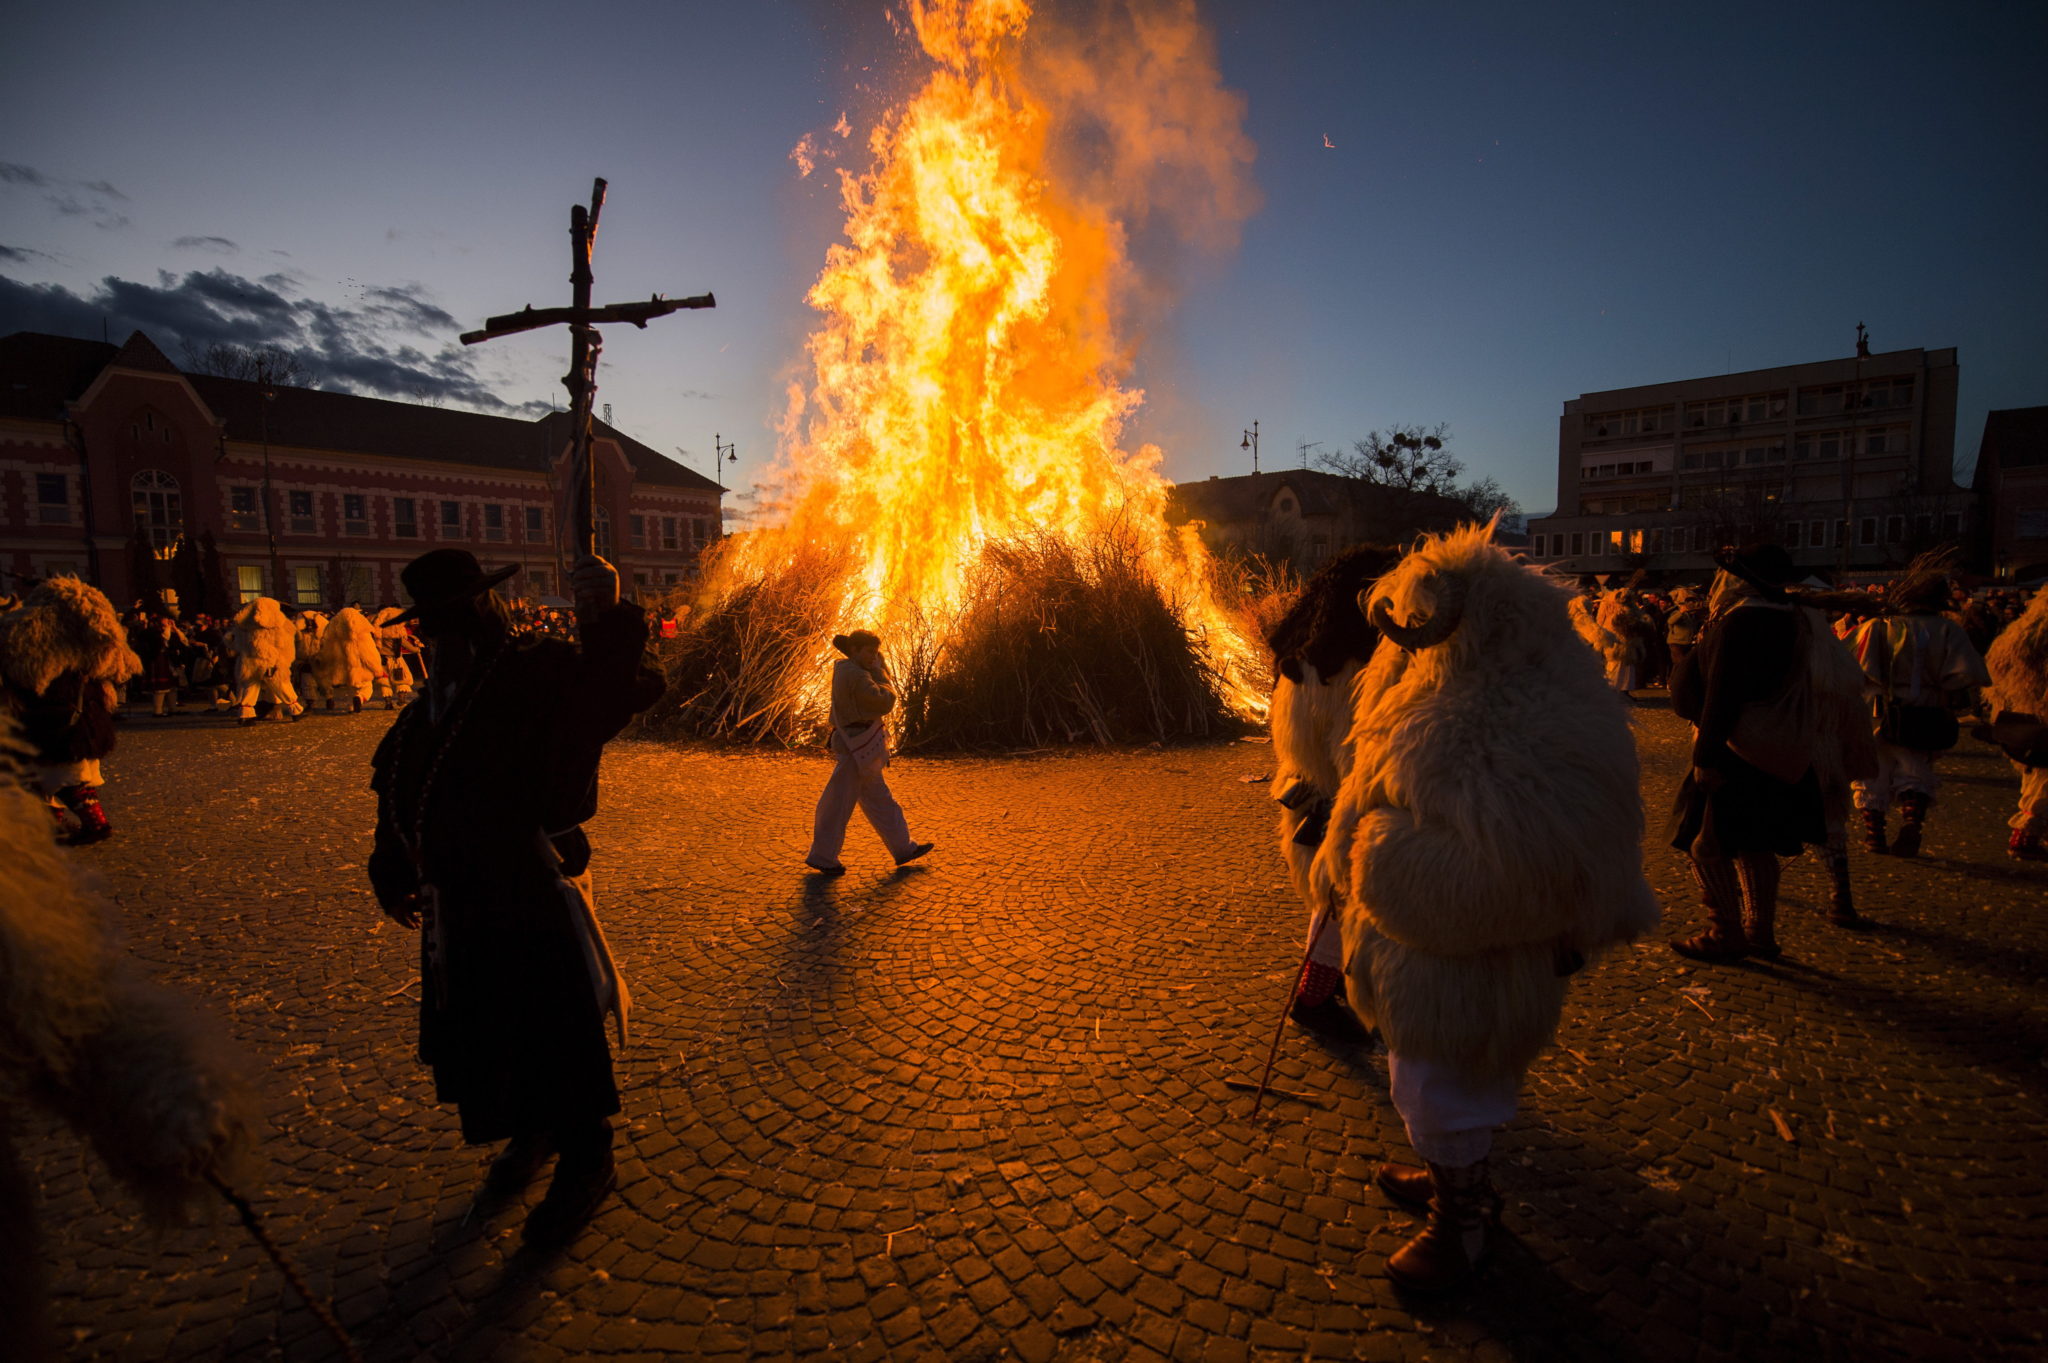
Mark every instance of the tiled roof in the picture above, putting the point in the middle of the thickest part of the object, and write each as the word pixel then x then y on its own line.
pixel 40 373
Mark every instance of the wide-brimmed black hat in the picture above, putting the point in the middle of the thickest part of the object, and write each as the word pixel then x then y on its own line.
pixel 441 577
pixel 1766 566
pixel 860 638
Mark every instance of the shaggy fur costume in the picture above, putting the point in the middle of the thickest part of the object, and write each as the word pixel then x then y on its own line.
pixel 1490 822
pixel 351 659
pixel 2018 662
pixel 129 1065
pixel 264 641
pixel 64 625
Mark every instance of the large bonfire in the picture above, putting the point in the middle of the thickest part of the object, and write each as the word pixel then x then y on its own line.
pixel 951 473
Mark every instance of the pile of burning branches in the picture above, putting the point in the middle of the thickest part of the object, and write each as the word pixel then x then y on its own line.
pixel 1052 643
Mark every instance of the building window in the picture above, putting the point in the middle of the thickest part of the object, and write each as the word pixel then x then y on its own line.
pixel 248 582
pixel 451 520
pixel 1657 539
pixel 700 530
pixel 158 512
pixel 494 521
pixel 1792 530
pixel 242 509
pixel 53 498
pixel 306 585
pixel 299 507
pixel 601 523
pixel 1894 529
pixel 539 580
pixel 636 530
pixel 536 529
pixel 355 514
pixel 1816 534
pixel 1578 541
pixel 668 533
pixel 1866 530
pixel 405 518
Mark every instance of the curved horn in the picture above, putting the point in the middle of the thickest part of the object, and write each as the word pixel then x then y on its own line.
pixel 1429 632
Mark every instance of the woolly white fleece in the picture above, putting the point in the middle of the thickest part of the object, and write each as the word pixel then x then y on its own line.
pixel 64 625
pixel 350 661
pixel 2018 661
pixel 1491 816
pixel 264 642
pixel 1310 725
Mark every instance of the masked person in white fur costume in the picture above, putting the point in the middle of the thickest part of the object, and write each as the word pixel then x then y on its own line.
pixel 266 646
pixel 63 656
pixel 1483 847
pixel 312 629
pixel 1319 649
pixel 351 664
pixel 2018 662
pixel 395 641
pixel 84 1035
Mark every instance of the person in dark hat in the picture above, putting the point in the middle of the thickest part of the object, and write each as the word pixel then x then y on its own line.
pixel 861 696
pixel 482 790
pixel 1752 795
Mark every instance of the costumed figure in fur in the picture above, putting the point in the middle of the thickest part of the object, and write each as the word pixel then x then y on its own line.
pixel 2018 663
pixel 1922 668
pixel 266 647
pixel 1319 649
pixel 312 629
pixel 1483 847
pixel 396 641
pixel 64 656
pixel 1622 627
pixel 132 1067
pixel 482 787
pixel 351 664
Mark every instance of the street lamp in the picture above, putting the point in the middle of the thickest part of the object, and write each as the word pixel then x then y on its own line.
pixel 1251 442
pixel 725 448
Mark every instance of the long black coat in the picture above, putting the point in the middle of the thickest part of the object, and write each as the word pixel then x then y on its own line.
pixel 510 1023
pixel 1746 656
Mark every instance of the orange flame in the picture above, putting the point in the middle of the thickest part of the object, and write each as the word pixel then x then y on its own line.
pixel 968 376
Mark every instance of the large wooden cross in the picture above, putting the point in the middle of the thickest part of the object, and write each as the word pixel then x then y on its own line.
pixel 584 347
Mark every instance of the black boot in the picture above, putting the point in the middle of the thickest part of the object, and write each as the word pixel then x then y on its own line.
pixel 520 1163
pixel 584 1176
pixel 1842 907
pixel 1464 1212
pixel 1913 807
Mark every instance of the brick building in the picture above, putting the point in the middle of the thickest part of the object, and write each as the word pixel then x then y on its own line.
pixel 2012 475
pixel 97 440
pixel 1848 463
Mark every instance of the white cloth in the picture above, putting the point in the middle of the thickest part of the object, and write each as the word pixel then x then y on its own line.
pixel 2033 795
pixel 1325 940
pixel 52 777
pixel 851 786
pixel 1450 1116
pixel 1898 770
pixel 271 687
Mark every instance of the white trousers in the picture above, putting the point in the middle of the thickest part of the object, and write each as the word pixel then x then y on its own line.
pixel 272 688
pixel 1898 771
pixel 2033 795
pixel 849 788
pixel 1450 1115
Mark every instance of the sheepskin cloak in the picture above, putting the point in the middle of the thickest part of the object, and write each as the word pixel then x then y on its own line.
pixel 350 660
pixel 1491 823
pixel 517 1039
pixel 1311 723
pixel 264 641
pixel 2018 662
pixel 62 653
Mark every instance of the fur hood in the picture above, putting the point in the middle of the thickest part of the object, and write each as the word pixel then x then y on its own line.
pixel 64 625
pixel 2018 660
pixel 263 639
pixel 1492 815
pixel 349 656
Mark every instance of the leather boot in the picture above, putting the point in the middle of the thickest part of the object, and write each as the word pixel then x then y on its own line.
pixel 520 1163
pixel 84 803
pixel 1913 807
pixel 1463 1212
pixel 584 1176
pixel 1842 907
pixel 2025 842
pixel 1405 1183
pixel 1874 839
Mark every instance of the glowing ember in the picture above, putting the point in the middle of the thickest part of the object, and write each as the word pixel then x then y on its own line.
pixel 967 378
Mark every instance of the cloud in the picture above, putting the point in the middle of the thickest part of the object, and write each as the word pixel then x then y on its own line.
pixel 698 393
pixel 362 349
pixel 220 244
pixel 22 255
pixel 59 194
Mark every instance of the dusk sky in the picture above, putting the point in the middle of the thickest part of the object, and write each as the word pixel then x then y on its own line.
pixel 1471 212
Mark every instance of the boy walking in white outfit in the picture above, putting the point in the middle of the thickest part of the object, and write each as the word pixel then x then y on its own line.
pixel 861 695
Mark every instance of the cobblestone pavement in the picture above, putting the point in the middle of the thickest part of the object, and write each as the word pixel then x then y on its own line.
pixel 980 1109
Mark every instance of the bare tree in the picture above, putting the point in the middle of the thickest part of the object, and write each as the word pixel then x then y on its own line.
pixel 256 364
pixel 1412 459
pixel 1486 497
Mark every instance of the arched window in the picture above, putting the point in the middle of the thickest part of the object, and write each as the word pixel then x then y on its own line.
pixel 601 524
pixel 158 513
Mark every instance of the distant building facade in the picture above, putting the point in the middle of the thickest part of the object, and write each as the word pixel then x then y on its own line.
pixel 1304 517
pixel 96 441
pixel 1848 464
pixel 2012 476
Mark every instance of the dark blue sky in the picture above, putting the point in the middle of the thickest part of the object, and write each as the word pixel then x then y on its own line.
pixel 1523 202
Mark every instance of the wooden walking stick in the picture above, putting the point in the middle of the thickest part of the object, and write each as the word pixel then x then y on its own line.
pixel 1280 1027
pixel 320 1309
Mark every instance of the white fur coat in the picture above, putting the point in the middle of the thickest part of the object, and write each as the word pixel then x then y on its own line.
pixel 350 659
pixel 264 641
pixel 2018 661
pixel 1311 723
pixel 1491 820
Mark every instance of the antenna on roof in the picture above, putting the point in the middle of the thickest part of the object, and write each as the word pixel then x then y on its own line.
pixel 607 414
